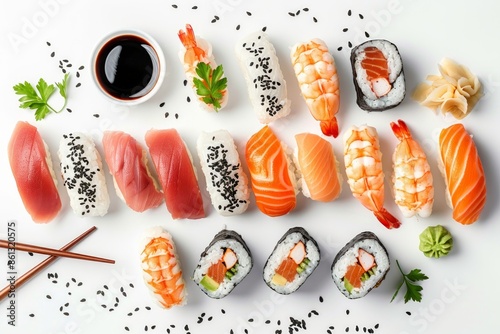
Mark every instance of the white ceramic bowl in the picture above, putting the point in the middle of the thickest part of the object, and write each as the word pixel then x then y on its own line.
pixel 158 75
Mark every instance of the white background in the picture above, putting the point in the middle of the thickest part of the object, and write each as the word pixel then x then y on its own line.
pixel 461 293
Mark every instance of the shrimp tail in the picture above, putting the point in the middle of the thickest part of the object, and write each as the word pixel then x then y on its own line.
pixel 387 219
pixel 401 130
pixel 330 127
pixel 187 37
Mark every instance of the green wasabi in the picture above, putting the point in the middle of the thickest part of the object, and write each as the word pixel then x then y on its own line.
pixel 435 241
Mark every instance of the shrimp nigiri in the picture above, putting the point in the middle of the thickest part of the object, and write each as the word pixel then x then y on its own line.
pixel 363 162
pixel 463 173
pixel 161 269
pixel 272 181
pixel 412 178
pixel 315 69
pixel 206 78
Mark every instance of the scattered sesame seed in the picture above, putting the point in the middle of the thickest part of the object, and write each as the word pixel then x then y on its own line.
pixel 349 12
pixel 78 84
pixel 315 19
pixel 48 297
pixel 31 315
pixel 53 54
pixel 81 67
pixel 127 329
pixel 162 104
pixel 367 34
pixel 175 6
pixel 96 115
pixel 238 27
pixel 30 253
pixel 48 43
pixel 349 44
pixel 345 29
pixel 223 311
pixel 176 116
pixel 305 9
pixel 194 7
pixel 361 16
pixel 339 48
pixel 291 14
pixel 408 312
pixel 188 99
pixel 131 285
pixel 347 312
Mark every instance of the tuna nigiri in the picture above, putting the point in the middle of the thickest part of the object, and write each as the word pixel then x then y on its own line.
pixel 126 160
pixel 31 166
pixel 272 182
pixel 463 173
pixel 316 161
pixel 177 176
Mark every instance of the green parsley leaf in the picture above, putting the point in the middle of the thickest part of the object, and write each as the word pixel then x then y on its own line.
pixel 413 291
pixel 210 84
pixel 38 99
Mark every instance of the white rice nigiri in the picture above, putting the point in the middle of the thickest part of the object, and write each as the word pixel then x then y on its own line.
pixel 265 82
pixel 226 181
pixel 83 175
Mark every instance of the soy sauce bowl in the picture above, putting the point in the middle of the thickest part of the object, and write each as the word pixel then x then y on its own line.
pixel 128 67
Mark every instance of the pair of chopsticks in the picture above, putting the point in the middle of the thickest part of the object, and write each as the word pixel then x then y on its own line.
pixel 54 254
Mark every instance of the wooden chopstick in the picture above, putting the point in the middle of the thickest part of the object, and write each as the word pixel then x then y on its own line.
pixel 49 251
pixel 31 273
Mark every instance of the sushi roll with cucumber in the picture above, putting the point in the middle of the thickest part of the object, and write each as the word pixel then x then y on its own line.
pixel 225 262
pixel 360 266
pixel 378 76
pixel 292 261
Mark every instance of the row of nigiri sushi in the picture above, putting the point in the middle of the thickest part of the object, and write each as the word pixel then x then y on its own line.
pixel 274 176
pixel 359 266
pixel 377 68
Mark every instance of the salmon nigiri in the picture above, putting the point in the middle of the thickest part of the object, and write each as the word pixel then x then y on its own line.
pixel 175 170
pixel 320 177
pixel 463 173
pixel 32 169
pixel 126 160
pixel 272 184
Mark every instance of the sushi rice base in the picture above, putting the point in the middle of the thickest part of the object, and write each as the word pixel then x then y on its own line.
pixel 396 77
pixel 95 164
pixel 281 252
pixel 222 137
pixel 213 255
pixel 250 73
pixel 350 257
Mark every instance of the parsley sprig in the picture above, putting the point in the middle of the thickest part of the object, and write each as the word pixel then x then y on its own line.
pixel 413 291
pixel 39 99
pixel 210 85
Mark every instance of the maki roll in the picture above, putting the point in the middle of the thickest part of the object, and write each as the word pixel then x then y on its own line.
pixel 360 266
pixel 83 175
pixel 225 262
pixel 266 84
pixel 226 181
pixel 378 75
pixel 292 261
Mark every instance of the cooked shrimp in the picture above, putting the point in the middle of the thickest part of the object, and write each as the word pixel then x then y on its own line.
pixel 412 178
pixel 363 161
pixel 317 76
pixel 193 53
pixel 162 272
pixel 206 78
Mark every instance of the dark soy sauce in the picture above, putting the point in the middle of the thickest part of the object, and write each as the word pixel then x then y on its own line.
pixel 127 67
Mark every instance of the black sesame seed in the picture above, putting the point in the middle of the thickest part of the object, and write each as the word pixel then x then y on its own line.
pixel 223 311
pixel 78 84
pixel 347 312
pixel 81 67
pixel 54 281
pixel 367 34
pixel 291 14
pixel 267 322
pixel 30 253
pixel 238 27
pixel 162 104
pixel 320 299
pixel 315 19
pixel 357 328
pixel 129 314
pixel 148 308
pixel 83 300
pixel 349 44
pixel 131 285
pixel 96 115
pixel 345 29
pixel 66 313
pixel 347 329
pixel 213 21
pixel 349 12
pixel 176 116
pixel 249 13
pixel 174 6
pixel 185 82
pixel 136 309
pixel 48 43
pixel 298 12
pixel 408 312
pixel 53 54
pixel 153 327
pixel 339 48
pixel 186 327
pixel 31 315
pixel 166 114
pixel 250 320
pixel 127 329
pixel 216 17
pixel 74 280
pixel 361 16
pixel 188 99
pixel 48 297
pixel 376 326
pixel 194 7
pixel 264 29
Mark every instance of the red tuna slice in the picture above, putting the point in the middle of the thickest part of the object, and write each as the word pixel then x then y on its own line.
pixel 173 164
pixel 126 160
pixel 29 162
